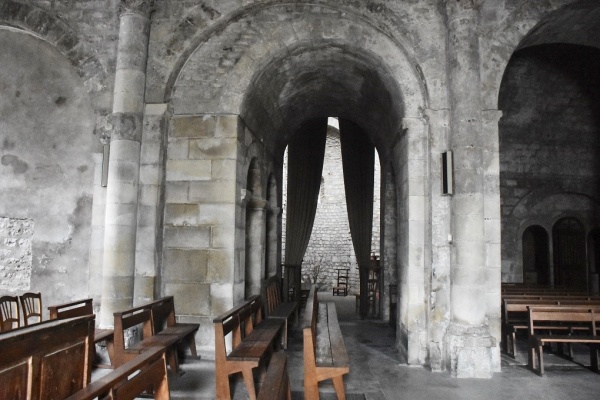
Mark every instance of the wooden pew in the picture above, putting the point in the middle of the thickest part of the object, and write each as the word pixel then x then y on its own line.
pixel 275 308
pixel 276 385
pixel 540 316
pixel 141 317
pixel 144 375
pixel 325 355
pixel 515 316
pixel 164 323
pixel 80 308
pixel 252 342
pixel 48 360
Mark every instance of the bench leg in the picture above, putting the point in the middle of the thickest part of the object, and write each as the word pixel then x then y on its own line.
pixel 249 381
pixel 222 383
pixel 594 357
pixel 338 384
pixel 311 390
pixel 191 339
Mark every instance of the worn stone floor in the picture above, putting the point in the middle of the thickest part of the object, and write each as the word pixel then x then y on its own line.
pixel 377 372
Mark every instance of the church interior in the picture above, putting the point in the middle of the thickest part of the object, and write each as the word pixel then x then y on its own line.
pixel 407 173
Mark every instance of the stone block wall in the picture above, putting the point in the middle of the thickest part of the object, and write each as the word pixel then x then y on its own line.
pixel 200 218
pixel 549 143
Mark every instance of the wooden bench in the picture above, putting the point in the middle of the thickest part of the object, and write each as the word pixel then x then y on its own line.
pixel 48 360
pixel 141 317
pixel 253 340
pixel 165 323
pixel 325 355
pixel 566 316
pixel 80 308
pixel 144 375
pixel 275 308
pixel 276 385
pixel 515 317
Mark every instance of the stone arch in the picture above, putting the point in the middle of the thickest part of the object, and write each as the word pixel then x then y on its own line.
pixel 543 207
pixel 47 161
pixel 36 21
pixel 221 73
pixel 530 23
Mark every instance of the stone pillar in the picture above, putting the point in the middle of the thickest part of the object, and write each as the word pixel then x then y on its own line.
pixel 255 245
pixel 273 215
pixel 469 341
pixel 124 160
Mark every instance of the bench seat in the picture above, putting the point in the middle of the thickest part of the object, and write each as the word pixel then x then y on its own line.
pixel 325 355
pixel 276 308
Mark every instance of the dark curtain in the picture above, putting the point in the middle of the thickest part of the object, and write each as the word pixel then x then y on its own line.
pixel 358 159
pixel 305 167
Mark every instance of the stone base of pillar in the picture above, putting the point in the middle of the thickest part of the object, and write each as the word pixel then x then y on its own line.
pixel 470 351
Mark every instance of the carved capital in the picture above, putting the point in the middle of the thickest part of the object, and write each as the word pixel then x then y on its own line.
pixel 142 7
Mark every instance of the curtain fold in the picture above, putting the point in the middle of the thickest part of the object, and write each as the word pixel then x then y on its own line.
pixel 358 159
pixel 306 152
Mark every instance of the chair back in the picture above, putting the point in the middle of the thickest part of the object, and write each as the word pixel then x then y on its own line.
pixel 10 314
pixel 31 304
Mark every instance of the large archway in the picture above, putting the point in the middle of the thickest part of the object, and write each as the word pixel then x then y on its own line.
pixel 262 92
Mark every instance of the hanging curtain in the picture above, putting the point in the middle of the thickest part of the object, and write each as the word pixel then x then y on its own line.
pixel 305 167
pixel 358 159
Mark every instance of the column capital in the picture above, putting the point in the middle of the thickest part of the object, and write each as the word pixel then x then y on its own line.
pixel 437 117
pixel 491 116
pixel 141 7
pixel 409 123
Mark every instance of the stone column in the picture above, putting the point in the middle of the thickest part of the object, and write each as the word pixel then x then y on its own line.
pixel 272 239
pixel 124 160
pixel 469 342
pixel 255 245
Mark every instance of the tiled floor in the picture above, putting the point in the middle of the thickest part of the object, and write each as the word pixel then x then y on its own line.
pixel 377 372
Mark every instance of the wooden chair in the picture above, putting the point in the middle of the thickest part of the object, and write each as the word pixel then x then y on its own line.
pixel 10 313
pixel 31 304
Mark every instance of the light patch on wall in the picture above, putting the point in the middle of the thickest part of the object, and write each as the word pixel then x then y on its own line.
pixel 15 253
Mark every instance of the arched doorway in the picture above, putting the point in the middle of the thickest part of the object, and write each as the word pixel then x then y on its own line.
pixel 536 253
pixel 594 259
pixel 568 239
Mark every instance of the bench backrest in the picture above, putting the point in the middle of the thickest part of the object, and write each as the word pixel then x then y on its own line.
pixel 272 294
pixel 239 321
pixel 163 313
pixel 72 309
pixel 515 308
pixel 563 314
pixel 129 319
pixel 131 379
pixel 48 360
pixel 309 326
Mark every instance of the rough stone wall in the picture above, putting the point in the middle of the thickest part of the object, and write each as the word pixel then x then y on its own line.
pixel 330 246
pixel 549 143
pixel 15 253
pixel 46 168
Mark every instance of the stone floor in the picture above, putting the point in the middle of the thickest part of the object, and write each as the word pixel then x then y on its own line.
pixel 377 372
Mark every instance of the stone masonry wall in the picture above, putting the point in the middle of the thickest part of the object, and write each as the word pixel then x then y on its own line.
pixel 549 141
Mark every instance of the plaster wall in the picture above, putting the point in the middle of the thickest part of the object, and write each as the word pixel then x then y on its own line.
pixel 46 169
